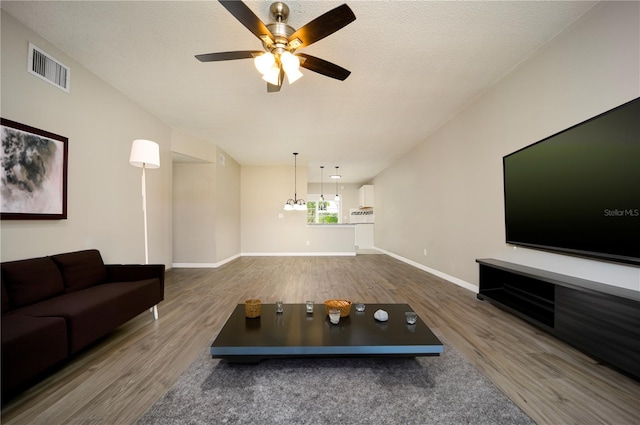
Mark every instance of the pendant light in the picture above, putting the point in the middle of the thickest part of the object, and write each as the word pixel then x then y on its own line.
pixel 336 176
pixel 322 206
pixel 295 203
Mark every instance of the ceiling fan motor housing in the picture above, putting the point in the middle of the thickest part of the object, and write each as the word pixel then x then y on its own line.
pixel 279 13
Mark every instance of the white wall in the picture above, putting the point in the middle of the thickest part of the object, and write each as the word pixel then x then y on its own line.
pixel 446 194
pixel 104 191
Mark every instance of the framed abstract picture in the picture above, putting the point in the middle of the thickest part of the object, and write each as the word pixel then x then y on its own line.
pixel 33 173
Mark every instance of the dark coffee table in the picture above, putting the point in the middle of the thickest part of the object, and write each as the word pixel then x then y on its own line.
pixel 294 333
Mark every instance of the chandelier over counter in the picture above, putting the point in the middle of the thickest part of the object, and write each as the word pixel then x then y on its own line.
pixel 295 204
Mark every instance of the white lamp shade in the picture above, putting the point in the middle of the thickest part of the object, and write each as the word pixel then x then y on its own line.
pixel 289 62
pixel 145 152
pixel 293 75
pixel 264 62
pixel 272 76
pixel 291 65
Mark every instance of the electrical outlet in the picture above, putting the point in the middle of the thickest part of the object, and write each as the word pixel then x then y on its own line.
pixel 425 252
pixel 308 243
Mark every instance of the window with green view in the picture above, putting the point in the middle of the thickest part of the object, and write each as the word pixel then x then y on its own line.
pixel 322 211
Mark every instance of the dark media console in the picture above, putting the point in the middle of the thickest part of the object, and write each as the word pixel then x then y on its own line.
pixel 601 320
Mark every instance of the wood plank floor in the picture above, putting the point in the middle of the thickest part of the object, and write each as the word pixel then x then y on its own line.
pixel 119 378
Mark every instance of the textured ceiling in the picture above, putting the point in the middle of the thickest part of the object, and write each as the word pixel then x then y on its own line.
pixel 414 65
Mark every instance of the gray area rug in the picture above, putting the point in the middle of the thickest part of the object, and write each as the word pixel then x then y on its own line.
pixel 423 390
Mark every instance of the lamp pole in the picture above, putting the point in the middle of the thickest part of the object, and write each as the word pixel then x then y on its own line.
pixel 145 154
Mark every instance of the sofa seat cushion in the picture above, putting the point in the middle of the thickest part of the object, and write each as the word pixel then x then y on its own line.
pixel 96 311
pixel 30 281
pixel 81 269
pixel 30 345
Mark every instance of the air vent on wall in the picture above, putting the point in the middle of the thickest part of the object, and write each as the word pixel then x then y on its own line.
pixel 46 67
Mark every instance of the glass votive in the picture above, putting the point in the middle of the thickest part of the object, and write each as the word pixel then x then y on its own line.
pixel 279 306
pixel 359 307
pixel 411 317
pixel 309 307
pixel 334 316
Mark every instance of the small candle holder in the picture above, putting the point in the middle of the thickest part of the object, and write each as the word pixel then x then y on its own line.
pixel 334 316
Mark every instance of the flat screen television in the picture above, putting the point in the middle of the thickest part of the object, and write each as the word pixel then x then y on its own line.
pixel 578 191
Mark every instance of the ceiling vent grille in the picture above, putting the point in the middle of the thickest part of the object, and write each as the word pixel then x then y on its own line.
pixel 48 68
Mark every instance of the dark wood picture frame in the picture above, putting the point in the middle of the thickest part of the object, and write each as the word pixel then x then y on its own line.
pixel 33 171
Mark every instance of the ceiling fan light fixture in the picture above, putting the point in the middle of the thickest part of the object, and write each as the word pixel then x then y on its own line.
pixel 291 65
pixel 295 43
pixel 289 61
pixel 293 75
pixel 264 63
pixel 272 76
pixel 268 41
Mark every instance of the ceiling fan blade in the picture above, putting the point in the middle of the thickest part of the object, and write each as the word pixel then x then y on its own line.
pixel 323 67
pixel 247 18
pixel 227 56
pixel 324 25
pixel 273 88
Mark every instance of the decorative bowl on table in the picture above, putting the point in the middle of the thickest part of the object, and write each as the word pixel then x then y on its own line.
pixel 343 305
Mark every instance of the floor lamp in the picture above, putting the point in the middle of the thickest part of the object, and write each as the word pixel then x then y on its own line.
pixel 145 154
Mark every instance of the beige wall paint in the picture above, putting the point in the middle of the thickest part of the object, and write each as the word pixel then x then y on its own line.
pixel 446 194
pixel 104 191
pixel 206 204
pixel 194 213
pixel 194 147
pixel 227 208
pixel 268 229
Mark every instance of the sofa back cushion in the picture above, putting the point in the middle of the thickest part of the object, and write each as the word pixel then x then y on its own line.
pixel 81 269
pixel 5 298
pixel 30 281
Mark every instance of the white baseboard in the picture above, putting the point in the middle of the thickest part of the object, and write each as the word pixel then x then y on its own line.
pixel 205 265
pixel 298 254
pixel 452 279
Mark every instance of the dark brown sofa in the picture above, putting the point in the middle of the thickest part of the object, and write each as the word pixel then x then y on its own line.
pixel 53 307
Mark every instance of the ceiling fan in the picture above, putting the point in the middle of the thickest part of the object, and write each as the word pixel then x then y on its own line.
pixel 281 41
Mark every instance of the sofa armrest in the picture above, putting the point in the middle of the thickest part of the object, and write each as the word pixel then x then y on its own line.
pixel 133 272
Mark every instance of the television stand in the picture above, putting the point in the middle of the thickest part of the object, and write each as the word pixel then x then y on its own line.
pixel 601 320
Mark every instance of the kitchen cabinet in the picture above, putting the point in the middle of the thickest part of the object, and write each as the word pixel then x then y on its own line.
pixel 365 196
